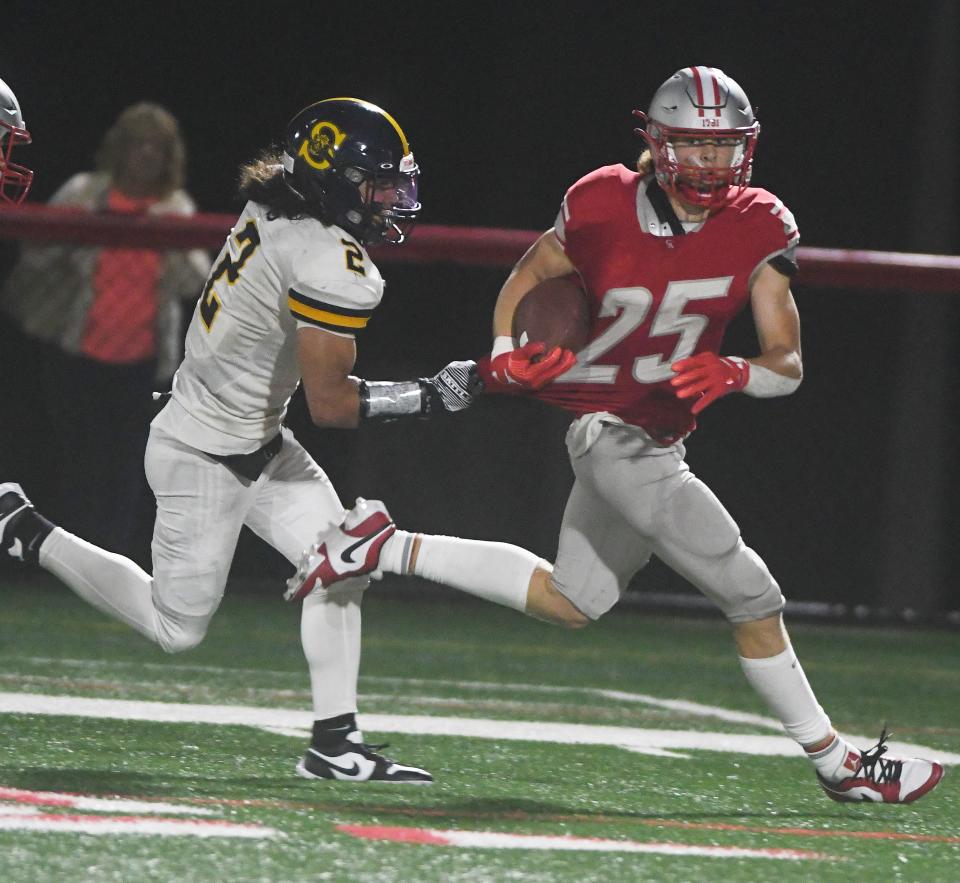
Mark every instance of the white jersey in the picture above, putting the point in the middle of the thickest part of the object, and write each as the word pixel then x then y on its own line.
pixel 272 277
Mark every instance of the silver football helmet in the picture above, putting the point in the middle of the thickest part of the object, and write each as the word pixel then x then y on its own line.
pixel 15 179
pixel 696 105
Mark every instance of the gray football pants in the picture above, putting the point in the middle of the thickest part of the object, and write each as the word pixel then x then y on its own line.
pixel 633 499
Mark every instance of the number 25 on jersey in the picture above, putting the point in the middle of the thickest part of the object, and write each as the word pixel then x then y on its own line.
pixel 248 240
pixel 633 305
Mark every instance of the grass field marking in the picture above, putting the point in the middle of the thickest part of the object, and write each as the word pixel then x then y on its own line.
pixel 36 820
pixel 691 708
pixel 498 840
pixel 149 666
pixel 632 738
pixel 419 812
pixel 96 804
pixel 802 832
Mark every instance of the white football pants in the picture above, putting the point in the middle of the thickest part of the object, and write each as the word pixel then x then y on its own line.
pixel 201 507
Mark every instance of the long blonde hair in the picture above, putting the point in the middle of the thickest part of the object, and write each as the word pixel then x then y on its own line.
pixel 645 163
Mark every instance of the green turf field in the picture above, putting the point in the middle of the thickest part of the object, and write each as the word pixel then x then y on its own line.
pixel 185 796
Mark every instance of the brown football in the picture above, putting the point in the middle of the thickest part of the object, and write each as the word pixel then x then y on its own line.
pixel 555 312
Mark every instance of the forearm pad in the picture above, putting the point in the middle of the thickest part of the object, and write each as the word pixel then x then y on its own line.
pixel 766 384
pixel 389 400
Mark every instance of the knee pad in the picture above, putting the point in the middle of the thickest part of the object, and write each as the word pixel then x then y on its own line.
pixel 185 604
pixel 175 635
pixel 750 591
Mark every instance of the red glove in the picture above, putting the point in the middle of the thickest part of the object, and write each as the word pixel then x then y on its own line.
pixel 517 367
pixel 708 377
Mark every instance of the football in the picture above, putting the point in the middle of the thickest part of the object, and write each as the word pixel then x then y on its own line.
pixel 555 312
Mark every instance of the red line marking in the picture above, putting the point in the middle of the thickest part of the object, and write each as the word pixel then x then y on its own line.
pixel 133 820
pixel 398 835
pixel 36 798
pixel 518 815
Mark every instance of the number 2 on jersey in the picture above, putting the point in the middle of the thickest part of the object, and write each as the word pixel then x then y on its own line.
pixel 249 240
pixel 633 305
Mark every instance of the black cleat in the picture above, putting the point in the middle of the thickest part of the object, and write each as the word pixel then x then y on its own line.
pixel 354 761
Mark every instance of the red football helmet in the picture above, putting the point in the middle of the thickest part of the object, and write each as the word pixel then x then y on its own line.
pixel 15 179
pixel 698 105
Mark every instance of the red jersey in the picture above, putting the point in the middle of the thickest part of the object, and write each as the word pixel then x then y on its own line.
pixel 657 298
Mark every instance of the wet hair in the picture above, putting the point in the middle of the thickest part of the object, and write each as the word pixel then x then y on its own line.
pixel 140 121
pixel 263 180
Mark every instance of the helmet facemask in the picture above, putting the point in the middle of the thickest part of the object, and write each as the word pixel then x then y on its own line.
pixel 15 179
pixel 701 132
pixel 387 205
pixel 691 177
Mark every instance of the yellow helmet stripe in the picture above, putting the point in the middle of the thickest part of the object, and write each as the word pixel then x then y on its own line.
pixel 390 119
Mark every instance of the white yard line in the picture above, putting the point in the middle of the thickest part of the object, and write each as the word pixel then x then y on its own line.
pixel 17 820
pixel 691 708
pixel 503 840
pixel 631 738
pixel 66 800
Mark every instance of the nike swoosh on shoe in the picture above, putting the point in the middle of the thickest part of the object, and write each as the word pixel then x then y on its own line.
pixel 347 554
pixel 352 772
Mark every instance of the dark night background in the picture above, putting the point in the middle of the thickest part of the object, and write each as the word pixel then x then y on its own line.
pixel 847 489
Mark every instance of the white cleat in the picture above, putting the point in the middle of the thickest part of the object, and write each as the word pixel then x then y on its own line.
pixel 344 550
pixel 880 779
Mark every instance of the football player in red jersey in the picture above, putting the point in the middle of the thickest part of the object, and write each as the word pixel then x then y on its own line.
pixel 668 254
pixel 15 179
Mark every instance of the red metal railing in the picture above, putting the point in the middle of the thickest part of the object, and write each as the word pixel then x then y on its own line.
pixel 470 246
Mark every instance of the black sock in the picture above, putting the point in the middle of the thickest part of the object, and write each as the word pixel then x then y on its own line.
pixel 30 528
pixel 332 730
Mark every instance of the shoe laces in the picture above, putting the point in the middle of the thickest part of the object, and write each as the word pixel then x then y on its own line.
pixel 371 751
pixel 889 770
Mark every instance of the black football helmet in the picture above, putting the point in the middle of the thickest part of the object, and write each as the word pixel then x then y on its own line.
pixel 15 179
pixel 352 164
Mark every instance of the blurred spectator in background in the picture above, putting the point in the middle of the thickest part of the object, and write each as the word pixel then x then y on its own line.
pixel 103 327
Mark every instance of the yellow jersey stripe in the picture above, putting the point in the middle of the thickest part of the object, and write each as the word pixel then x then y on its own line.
pixel 325 316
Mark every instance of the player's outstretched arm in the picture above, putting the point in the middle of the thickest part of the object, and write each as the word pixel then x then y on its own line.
pixel 339 400
pixel 326 360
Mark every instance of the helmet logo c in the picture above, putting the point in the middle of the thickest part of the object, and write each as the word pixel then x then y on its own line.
pixel 319 148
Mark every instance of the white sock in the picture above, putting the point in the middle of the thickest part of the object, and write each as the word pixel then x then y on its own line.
pixel 111 583
pixel 497 572
pixel 783 685
pixel 330 632
pixel 839 760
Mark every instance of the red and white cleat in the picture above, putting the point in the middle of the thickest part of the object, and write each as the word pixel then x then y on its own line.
pixel 344 550
pixel 885 779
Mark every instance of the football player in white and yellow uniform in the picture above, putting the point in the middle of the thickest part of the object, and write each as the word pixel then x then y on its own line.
pixel 285 300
